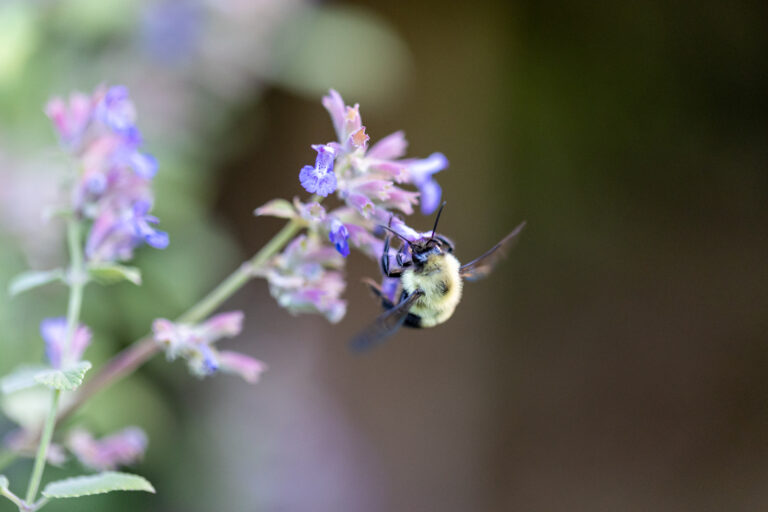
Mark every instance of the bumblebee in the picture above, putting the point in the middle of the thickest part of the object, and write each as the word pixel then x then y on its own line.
pixel 431 279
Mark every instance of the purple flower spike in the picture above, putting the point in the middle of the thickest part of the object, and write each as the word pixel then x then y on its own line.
pixel 116 109
pixel 320 179
pixel 54 333
pixel 119 449
pixel 339 236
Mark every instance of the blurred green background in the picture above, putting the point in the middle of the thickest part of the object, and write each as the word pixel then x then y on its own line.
pixel 616 361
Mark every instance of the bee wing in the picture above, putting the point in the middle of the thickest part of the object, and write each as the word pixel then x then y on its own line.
pixel 386 324
pixel 482 266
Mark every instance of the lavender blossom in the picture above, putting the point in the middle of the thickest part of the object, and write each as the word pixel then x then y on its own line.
pixel 54 333
pixel 122 448
pixel 24 442
pixel 115 186
pixel 339 236
pixel 320 179
pixel 70 118
pixel 421 172
pixel 116 109
pixel 195 344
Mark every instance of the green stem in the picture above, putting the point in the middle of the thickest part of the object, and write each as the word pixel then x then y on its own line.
pixel 15 499
pixel 42 449
pixel 141 351
pixel 76 285
pixel 239 277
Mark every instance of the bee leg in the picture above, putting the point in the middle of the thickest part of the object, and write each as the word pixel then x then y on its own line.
pixel 385 261
pixel 413 321
pixel 376 289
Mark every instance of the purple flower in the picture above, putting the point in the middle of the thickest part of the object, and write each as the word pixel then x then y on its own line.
pixel 245 366
pixel 24 442
pixel 143 164
pixel 339 236
pixel 72 119
pixel 54 333
pixel 119 449
pixel 141 223
pixel 116 233
pixel 195 344
pixel 421 172
pixel 320 179
pixel 303 278
pixel 116 109
pixel 390 147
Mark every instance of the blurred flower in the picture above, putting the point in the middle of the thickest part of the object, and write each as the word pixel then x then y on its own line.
pixel 25 443
pixel 172 29
pixel 54 333
pixel 195 344
pixel 119 449
pixel 70 118
pixel 245 366
pixel 116 109
pixel 320 179
pixel 115 186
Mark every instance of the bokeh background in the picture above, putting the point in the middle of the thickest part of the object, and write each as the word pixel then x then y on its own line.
pixel 618 360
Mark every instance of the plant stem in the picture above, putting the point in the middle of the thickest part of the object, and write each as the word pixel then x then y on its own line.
pixel 141 351
pixel 12 497
pixel 76 285
pixel 42 449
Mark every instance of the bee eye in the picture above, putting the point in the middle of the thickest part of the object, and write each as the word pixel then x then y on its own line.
pixel 400 258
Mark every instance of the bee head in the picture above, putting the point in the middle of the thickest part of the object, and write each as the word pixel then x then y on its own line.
pixel 424 248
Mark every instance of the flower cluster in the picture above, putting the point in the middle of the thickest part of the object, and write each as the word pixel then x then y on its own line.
pixel 368 182
pixel 195 344
pixel 114 188
pixel 306 278
pixel 119 449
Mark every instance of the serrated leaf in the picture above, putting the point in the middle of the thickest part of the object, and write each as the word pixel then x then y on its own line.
pixel 96 484
pixel 111 273
pixel 22 377
pixel 3 482
pixel 65 379
pixel 32 279
pixel 277 208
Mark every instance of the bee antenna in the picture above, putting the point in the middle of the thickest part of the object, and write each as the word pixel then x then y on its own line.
pixel 437 219
pixel 398 235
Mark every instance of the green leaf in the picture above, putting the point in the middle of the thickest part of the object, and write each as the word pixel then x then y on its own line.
pixel 22 377
pixel 111 273
pixel 96 484
pixel 65 379
pixel 3 482
pixel 277 208
pixel 32 279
